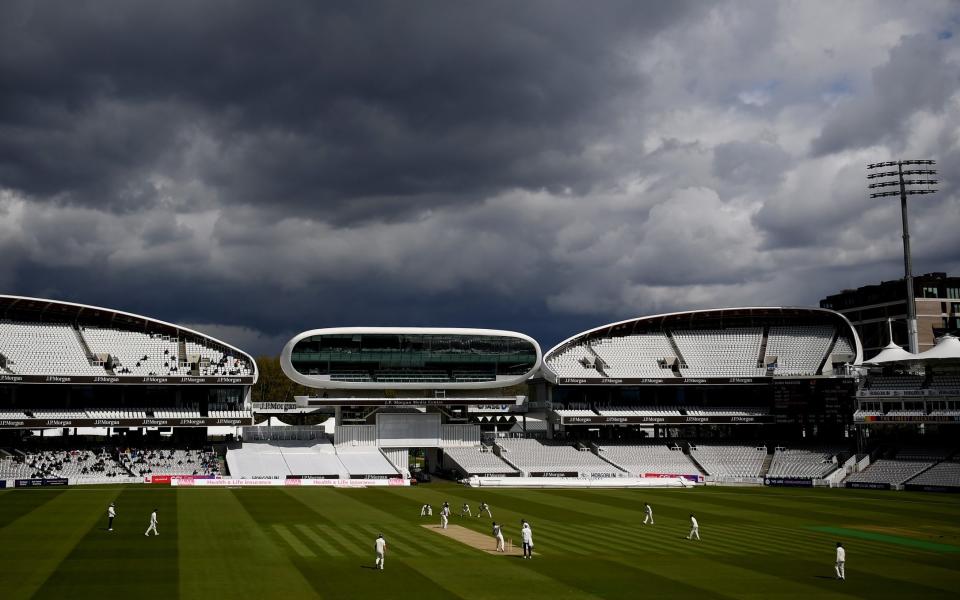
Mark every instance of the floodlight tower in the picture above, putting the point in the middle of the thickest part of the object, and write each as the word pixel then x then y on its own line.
pixel 895 179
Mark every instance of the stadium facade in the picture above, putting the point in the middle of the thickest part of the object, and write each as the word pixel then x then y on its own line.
pixel 880 310
pixel 65 365
pixel 747 373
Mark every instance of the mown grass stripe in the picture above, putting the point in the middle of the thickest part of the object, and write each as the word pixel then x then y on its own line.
pixel 401 548
pixel 350 546
pixel 889 539
pixel 292 541
pixel 659 546
pixel 557 540
pixel 325 546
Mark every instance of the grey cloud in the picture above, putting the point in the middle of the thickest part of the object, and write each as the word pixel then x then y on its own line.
pixel 919 75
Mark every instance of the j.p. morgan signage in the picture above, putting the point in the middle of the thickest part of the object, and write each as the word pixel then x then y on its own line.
pixel 666 420
pixel 26 423
pixel 123 380
pixel 663 381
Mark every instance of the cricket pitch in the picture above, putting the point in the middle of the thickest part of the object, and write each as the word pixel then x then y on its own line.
pixel 475 539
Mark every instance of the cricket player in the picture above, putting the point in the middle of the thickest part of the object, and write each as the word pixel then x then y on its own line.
pixel 526 534
pixel 483 507
pixel 498 534
pixel 111 515
pixel 444 516
pixel 841 561
pixel 423 510
pixel 465 510
pixel 380 545
pixel 153 524
pixel 694 528
pixel 648 514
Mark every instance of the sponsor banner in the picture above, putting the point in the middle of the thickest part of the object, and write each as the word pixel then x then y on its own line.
pixel 664 380
pixel 169 479
pixel 788 482
pixel 57 481
pixel 915 393
pixel 868 485
pixel 908 419
pixel 555 474
pixel 315 476
pixel 125 380
pixel 694 478
pixel 26 423
pixel 340 483
pixel 449 401
pixel 667 420
pixel 927 488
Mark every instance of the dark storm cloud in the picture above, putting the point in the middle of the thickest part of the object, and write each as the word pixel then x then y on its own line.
pixel 351 109
pixel 257 169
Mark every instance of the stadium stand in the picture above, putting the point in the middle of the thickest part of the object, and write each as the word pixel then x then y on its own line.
pixel 366 462
pixel 635 355
pixel 135 353
pixel 893 472
pixel 532 456
pixel 799 349
pixel 945 382
pixel 170 462
pixel 897 382
pixel 477 461
pixel 576 361
pixel 78 465
pixel 212 361
pixel 44 349
pixel 639 460
pixel 803 463
pixel 729 461
pixel 946 474
pixel 720 352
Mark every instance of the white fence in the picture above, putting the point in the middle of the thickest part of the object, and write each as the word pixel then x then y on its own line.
pixel 355 435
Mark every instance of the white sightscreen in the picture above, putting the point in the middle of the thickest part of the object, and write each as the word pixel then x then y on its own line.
pixel 408 430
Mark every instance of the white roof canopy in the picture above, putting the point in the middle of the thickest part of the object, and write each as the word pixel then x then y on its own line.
pixel 891 353
pixel 948 348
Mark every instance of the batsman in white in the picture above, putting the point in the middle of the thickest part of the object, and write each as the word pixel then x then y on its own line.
pixel 444 516
pixel 694 528
pixel 498 534
pixel 648 514
pixel 153 524
pixel 380 545
pixel 841 562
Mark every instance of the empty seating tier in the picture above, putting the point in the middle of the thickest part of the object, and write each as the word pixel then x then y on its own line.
pixel 729 461
pixel 799 350
pixel 531 456
pixel 893 472
pixel 477 461
pixel 655 459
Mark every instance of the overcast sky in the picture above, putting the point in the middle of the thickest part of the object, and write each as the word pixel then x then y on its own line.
pixel 256 169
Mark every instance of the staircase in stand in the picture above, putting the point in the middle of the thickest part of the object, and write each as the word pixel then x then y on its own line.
pixel 765 467
pixel 761 360
pixel 676 349
pixel 91 357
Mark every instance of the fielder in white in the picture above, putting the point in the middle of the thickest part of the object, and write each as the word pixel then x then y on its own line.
pixel 841 562
pixel 153 524
pixel 380 545
pixel 498 533
pixel 423 510
pixel 648 514
pixel 694 528
pixel 465 510
pixel 444 517
pixel 483 507
pixel 111 515
pixel 526 534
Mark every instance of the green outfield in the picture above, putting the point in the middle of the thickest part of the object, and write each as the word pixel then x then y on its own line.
pixel 318 543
